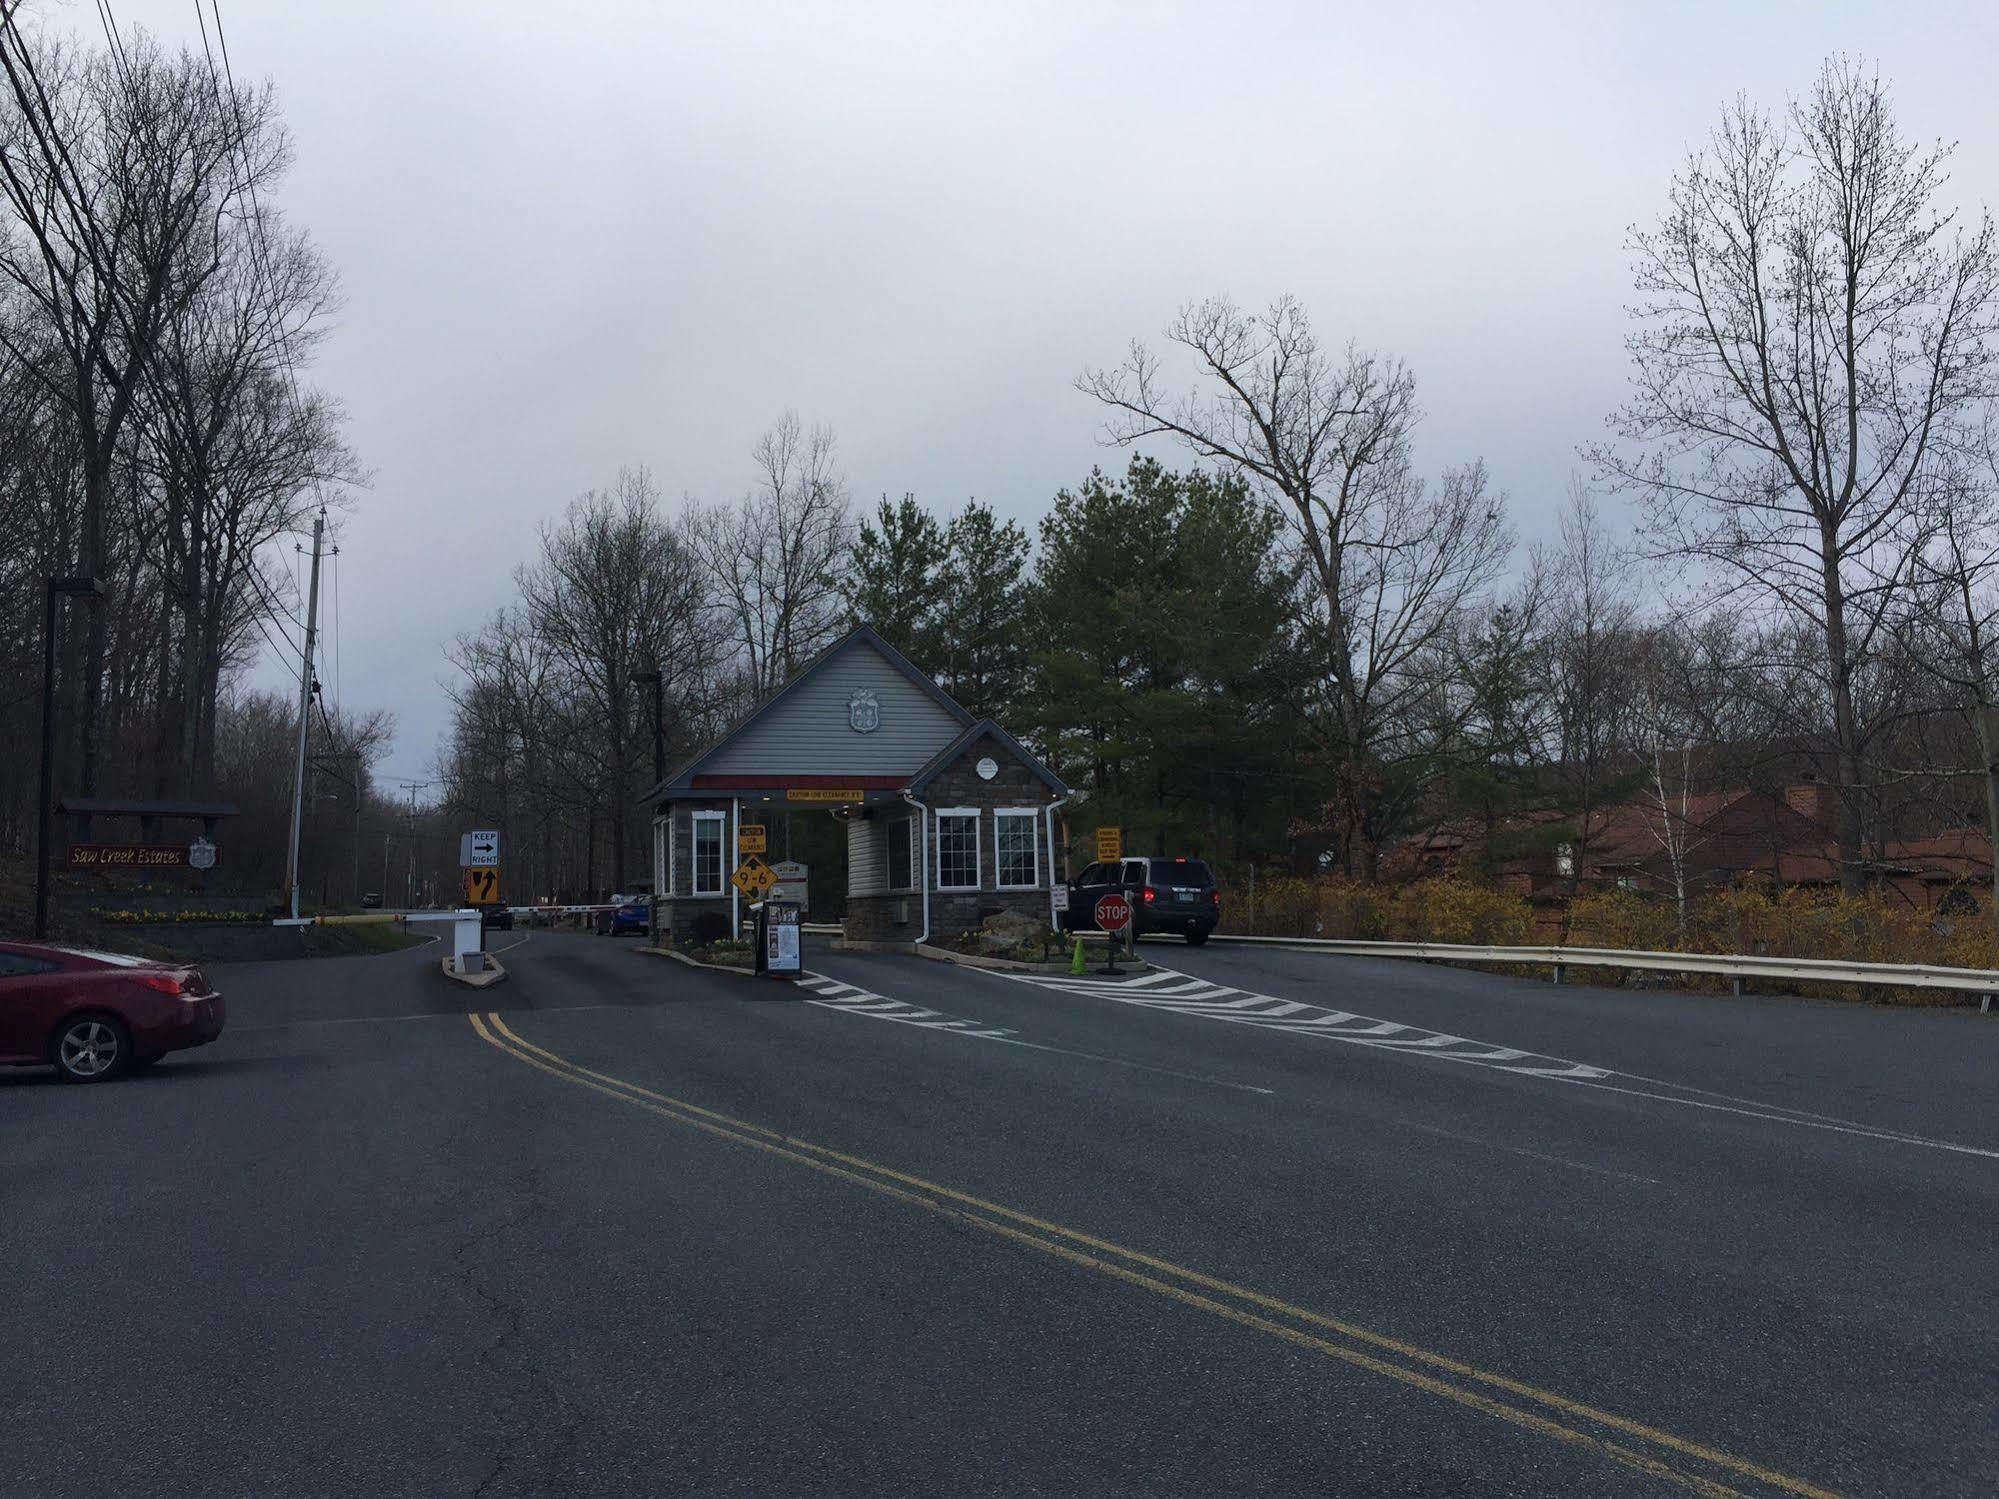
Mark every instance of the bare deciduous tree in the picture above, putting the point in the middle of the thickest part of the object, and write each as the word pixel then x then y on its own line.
pixel 618 591
pixel 1812 332
pixel 1592 619
pixel 234 453
pixel 1326 442
pixel 1955 614
pixel 779 556
pixel 121 173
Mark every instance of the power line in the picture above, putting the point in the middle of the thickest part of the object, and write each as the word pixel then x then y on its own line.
pixel 117 42
pixel 122 60
pixel 259 226
pixel 278 614
pixel 258 245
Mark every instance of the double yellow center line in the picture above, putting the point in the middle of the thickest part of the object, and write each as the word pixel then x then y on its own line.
pixel 1615 1438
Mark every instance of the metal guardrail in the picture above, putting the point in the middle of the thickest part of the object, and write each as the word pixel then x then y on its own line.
pixel 1729 965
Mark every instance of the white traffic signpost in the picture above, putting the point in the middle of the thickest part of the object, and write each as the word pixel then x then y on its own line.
pixel 479 850
pixel 1113 913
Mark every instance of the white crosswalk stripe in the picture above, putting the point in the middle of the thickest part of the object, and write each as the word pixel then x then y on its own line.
pixel 831 994
pixel 1183 994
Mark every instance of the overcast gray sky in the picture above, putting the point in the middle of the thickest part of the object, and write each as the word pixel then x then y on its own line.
pixel 574 237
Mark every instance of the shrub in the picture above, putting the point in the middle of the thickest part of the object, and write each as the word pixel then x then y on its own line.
pixel 1623 918
pixel 1452 910
pixel 707 928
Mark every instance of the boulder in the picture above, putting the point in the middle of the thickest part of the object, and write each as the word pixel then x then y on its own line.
pixel 1004 931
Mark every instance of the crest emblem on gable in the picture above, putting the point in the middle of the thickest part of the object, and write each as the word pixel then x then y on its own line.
pixel 864 712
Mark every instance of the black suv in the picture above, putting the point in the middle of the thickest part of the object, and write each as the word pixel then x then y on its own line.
pixel 1166 895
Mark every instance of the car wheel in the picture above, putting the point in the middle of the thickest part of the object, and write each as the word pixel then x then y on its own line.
pixel 91 1048
pixel 1196 936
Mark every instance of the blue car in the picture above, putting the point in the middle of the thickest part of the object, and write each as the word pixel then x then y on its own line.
pixel 632 916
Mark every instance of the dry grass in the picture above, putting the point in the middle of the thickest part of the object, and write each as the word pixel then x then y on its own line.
pixel 1794 923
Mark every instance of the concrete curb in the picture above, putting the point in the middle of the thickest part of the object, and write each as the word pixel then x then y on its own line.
pixel 495 972
pixel 681 957
pixel 980 960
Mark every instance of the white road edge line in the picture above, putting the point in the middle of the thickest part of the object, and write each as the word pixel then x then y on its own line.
pixel 1575 1074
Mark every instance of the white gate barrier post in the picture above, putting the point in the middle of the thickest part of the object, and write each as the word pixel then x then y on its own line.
pixel 467 953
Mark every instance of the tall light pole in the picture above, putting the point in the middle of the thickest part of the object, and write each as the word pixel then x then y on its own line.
pixel 657 680
pixel 75 587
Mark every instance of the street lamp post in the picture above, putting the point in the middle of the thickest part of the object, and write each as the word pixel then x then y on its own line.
pixel 657 680
pixel 57 587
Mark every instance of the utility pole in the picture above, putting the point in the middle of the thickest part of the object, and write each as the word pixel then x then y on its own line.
pixel 304 707
pixel 409 877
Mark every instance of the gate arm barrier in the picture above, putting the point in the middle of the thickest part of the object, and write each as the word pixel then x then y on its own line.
pixel 467 947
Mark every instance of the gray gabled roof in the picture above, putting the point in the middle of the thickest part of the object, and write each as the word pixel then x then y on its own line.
pixel 682 778
pixel 947 756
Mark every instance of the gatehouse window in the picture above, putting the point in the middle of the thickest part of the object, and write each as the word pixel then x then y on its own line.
pixel 958 848
pixel 708 852
pixel 1017 851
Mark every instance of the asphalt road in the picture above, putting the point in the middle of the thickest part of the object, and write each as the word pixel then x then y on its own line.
pixel 1286 1223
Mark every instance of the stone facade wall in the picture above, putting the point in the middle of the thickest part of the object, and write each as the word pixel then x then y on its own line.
pixel 680 910
pixel 873 918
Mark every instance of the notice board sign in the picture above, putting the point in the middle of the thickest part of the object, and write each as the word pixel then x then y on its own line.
pixel 782 953
pixel 792 883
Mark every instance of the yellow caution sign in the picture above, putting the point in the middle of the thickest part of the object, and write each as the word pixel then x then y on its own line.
pixel 750 838
pixel 754 878
pixel 1110 845
pixel 816 795
pixel 482 886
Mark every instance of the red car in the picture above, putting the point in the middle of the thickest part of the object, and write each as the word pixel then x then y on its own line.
pixel 94 1015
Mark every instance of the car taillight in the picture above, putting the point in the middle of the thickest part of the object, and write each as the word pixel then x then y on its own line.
pixel 1215 899
pixel 1151 895
pixel 188 981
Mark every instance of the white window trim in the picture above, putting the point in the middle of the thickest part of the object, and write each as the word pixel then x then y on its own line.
pixel 978 846
pixel 662 855
pixel 1033 816
pixel 694 852
pixel 908 826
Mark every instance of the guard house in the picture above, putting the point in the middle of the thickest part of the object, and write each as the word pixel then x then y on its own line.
pixel 949 818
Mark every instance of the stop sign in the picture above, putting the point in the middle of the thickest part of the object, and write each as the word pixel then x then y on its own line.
pixel 1113 913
